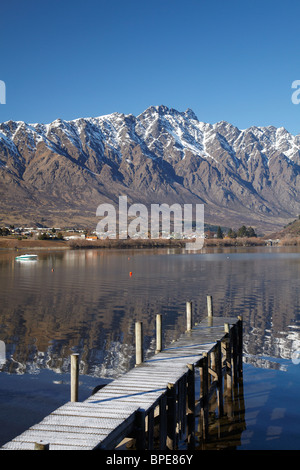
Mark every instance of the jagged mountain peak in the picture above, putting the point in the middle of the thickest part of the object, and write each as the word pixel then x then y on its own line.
pixel 163 110
pixel 190 114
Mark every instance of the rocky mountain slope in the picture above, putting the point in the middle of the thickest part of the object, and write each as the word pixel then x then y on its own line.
pixel 58 173
pixel 289 231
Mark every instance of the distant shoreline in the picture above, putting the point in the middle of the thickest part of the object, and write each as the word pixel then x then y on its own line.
pixel 29 244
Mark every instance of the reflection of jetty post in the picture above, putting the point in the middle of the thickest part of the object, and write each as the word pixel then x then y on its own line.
pixel 156 405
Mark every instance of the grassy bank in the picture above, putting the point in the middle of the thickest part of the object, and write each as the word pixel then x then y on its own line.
pixel 29 244
pixel 129 243
pixel 253 241
pixel 291 241
pixel 160 243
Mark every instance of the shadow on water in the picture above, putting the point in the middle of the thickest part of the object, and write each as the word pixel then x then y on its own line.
pixel 225 432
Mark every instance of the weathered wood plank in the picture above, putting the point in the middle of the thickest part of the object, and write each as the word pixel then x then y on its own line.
pixel 12 445
pixel 85 423
pixel 76 428
pixel 94 409
pixel 60 438
pixel 134 386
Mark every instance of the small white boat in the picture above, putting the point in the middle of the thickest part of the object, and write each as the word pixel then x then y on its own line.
pixel 26 257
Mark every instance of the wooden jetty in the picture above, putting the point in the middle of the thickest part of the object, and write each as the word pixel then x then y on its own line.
pixel 155 403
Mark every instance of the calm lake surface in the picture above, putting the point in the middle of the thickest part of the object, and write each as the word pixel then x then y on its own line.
pixel 87 302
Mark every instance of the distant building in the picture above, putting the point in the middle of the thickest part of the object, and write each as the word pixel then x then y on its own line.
pixel 74 237
pixel 209 234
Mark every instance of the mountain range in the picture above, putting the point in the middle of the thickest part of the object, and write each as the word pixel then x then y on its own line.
pixel 57 174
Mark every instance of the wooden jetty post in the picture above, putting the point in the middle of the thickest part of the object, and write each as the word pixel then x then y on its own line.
pixel 240 345
pixel 163 422
pixel 141 433
pixel 158 333
pixel 150 427
pixel 210 311
pixel 204 395
pixel 171 416
pixel 189 316
pixel 41 445
pixel 234 340
pixel 191 406
pixel 228 357
pixel 219 376
pixel 139 353
pixel 74 376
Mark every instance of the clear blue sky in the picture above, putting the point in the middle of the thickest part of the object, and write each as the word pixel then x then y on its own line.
pixel 229 60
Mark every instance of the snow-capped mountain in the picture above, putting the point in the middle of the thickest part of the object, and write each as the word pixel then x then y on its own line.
pixel 59 173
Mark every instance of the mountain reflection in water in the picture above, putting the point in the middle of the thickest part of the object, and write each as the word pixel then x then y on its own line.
pixel 86 301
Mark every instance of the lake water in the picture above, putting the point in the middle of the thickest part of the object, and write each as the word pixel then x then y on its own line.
pixel 87 302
